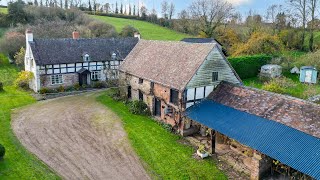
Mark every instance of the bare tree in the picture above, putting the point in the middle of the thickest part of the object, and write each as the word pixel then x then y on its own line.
pixel 210 13
pixel 300 7
pixel 312 5
pixel 272 13
pixel 164 9
pixel 184 21
pixel 66 4
pixel 172 9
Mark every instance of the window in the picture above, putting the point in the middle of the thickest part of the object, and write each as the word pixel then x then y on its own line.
pixel 174 96
pixel 140 81
pixel 113 56
pixel 56 79
pixel 215 76
pixel 95 75
pixel 86 57
pixel 140 96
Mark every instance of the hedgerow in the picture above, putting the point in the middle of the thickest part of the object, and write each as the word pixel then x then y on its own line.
pixel 249 66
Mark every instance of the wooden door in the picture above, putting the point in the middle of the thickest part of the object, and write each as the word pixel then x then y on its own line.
pixel 308 77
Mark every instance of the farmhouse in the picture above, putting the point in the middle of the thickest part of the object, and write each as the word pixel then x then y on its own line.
pixel 66 62
pixel 172 76
pixel 260 132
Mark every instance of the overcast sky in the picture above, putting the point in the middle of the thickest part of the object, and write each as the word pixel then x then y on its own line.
pixel 243 6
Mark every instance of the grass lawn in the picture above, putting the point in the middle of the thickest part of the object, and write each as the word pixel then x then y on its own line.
pixel 148 30
pixel 300 90
pixel 18 163
pixel 4 10
pixel 163 155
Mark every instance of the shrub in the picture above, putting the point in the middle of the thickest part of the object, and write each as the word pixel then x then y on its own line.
pixel 273 87
pixel 44 90
pixel 249 66
pixel 128 31
pixel 2 151
pixel 99 84
pixel 77 86
pixel 61 89
pixel 1 86
pixel 24 77
pixel 139 108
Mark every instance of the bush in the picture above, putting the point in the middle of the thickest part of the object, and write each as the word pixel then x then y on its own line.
pixel 1 86
pixel 61 89
pixel 139 108
pixel 77 86
pixel 44 90
pixel 249 66
pixel 279 85
pixel 23 80
pixel 2 151
pixel 99 84
pixel 128 31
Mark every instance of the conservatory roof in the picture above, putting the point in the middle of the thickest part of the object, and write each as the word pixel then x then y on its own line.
pixel 288 145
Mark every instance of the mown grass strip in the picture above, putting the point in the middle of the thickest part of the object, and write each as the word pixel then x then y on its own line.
pixel 159 149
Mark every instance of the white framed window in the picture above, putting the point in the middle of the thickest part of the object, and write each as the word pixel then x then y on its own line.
pixel 95 75
pixel 56 79
pixel 86 58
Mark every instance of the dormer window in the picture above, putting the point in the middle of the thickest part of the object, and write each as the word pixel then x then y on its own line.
pixel 86 58
pixel 113 56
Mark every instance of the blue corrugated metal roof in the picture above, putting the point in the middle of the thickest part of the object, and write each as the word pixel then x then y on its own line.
pixel 288 145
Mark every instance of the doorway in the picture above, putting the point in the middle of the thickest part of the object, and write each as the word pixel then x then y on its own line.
pixel 157 109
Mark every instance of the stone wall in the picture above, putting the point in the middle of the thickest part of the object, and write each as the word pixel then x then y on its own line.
pixel 68 80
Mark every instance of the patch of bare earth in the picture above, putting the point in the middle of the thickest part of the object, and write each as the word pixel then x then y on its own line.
pixel 78 138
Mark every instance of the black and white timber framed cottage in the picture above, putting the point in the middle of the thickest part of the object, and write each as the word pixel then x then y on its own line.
pixel 66 62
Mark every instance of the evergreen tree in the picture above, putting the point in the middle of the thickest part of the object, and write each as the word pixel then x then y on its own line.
pixel 35 2
pixel 130 10
pixel 117 10
pixel 90 7
pixel 121 9
pixel 134 10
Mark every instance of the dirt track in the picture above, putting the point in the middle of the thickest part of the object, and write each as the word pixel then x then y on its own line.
pixel 78 138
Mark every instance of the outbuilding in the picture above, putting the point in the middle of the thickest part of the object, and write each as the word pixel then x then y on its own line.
pixel 271 71
pixel 308 74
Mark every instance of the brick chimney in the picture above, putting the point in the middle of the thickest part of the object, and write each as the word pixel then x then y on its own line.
pixel 137 35
pixel 75 34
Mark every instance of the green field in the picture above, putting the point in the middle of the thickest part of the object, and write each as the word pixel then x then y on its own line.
pixel 148 30
pixel 160 150
pixel 18 163
pixel 4 10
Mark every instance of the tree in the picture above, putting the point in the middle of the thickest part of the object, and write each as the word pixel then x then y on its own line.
pixel 144 12
pixel 300 7
pixel 210 14
pixel 90 7
pixel 171 10
pixel 134 10
pixel 12 42
pixel 117 10
pixel 272 14
pixel 312 7
pixel 153 16
pixel 16 12
pixel 184 21
pixel 130 13
pixel 19 57
pixel 66 4
pixel 121 9
pixel 165 8
pixel 100 29
pixel 35 3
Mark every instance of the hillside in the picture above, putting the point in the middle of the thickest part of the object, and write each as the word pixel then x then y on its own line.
pixel 4 10
pixel 148 30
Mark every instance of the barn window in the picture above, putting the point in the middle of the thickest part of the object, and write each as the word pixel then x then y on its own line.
pixel 140 81
pixel 140 95
pixel 174 96
pixel 95 75
pixel 215 76
pixel 56 79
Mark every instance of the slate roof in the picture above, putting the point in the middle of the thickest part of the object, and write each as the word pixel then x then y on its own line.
pixel 288 145
pixel 56 51
pixel 293 112
pixel 199 40
pixel 172 64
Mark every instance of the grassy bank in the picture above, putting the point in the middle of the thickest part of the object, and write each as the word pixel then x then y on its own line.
pixel 164 156
pixel 18 163
pixel 148 30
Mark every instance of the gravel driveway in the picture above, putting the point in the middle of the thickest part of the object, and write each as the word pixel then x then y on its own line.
pixel 78 138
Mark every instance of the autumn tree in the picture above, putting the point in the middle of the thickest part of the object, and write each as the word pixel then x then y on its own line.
pixel 19 57
pixel 300 8
pixel 210 14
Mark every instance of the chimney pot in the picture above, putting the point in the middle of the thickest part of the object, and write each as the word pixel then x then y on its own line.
pixel 137 35
pixel 75 35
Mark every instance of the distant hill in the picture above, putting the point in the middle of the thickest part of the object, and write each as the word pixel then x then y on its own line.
pixel 148 30
pixel 4 10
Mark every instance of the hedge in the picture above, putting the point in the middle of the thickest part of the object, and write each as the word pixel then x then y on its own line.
pixel 249 66
pixel 113 15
